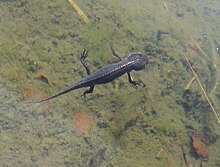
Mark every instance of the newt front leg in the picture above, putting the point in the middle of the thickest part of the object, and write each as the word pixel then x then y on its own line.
pixel 131 80
pixel 83 57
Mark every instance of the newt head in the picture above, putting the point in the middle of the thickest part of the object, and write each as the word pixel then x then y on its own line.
pixel 140 61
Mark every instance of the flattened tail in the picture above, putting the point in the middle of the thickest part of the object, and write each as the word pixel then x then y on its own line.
pixel 68 89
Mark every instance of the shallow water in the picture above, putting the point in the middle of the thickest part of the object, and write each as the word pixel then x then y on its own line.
pixel 166 121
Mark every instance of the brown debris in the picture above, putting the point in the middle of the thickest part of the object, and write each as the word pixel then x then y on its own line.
pixel 200 145
pixel 27 92
pixel 41 77
pixel 82 123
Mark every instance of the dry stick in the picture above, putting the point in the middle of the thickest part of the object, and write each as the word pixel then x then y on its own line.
pixel 203 90
pixel 184 157
pixel 79 11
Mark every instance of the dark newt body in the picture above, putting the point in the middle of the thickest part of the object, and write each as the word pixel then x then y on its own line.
pixel 135 61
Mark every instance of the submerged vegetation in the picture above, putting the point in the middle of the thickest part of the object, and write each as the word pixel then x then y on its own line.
pixel 149 125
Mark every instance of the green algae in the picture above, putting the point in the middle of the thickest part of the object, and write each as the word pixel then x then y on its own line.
pixel 144 126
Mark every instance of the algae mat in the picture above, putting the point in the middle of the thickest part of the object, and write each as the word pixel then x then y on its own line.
pixel 165 121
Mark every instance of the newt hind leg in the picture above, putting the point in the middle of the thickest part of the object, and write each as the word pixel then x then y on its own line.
pixel 115 53
pixel 90 90
pixel 83 57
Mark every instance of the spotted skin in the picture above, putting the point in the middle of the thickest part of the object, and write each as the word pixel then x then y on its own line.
pixel 135 61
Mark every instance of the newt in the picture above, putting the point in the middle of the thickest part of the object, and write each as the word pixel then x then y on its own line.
pixel 135 61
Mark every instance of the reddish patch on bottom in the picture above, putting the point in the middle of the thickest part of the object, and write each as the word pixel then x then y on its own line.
pixel 197 45
pixel 31 93
pixel 41 77
pixel 27 92
pixel 200 145
pixel 82 123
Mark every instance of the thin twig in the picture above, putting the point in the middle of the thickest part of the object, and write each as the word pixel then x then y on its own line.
pixel 203 90
pixel 184 157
